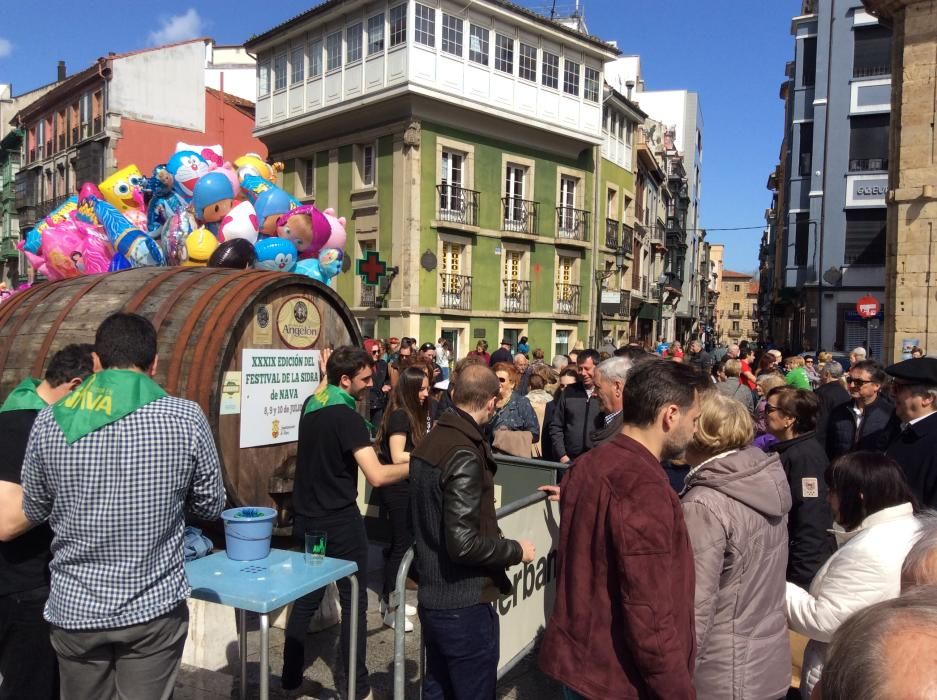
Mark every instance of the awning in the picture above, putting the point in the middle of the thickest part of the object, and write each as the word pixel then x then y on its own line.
pixel 648 311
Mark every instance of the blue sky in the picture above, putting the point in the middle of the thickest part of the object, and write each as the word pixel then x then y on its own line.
pixel 732 52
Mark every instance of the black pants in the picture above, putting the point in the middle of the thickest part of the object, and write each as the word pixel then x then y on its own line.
pixel 345 539
pixel 28 663
pixel 396 501
pixel 462 647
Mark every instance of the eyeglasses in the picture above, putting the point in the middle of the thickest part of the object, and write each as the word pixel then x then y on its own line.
pixel 771 409
pixel 809 362
pixel 858 382
pixel 375 352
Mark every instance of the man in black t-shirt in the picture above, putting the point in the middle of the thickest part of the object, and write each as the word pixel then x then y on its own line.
pixel 334 443
pixel 28 664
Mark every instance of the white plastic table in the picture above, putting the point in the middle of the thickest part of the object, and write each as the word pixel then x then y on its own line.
pixel 265 585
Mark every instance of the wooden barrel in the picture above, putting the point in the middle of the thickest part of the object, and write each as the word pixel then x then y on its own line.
pixel 206 318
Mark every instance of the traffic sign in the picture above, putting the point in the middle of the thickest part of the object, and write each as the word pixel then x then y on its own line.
pixel 868 307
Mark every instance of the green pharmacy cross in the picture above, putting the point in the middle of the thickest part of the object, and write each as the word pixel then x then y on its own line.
pixel 372 268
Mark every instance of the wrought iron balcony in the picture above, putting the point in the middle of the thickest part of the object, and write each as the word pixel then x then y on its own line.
pixel 572 224
pixel 624 303
pixel 733 313
pixel 568 299
pixel 611 233
pixel 880 69
pixel 627 239
pixel 455 292
pixel 520 215
pixel 457 205
pixel 516 298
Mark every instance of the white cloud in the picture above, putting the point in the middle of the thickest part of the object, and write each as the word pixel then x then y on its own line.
pixel 6 47
pixel 177 28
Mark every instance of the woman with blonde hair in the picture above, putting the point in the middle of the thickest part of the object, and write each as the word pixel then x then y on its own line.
pixel 735 502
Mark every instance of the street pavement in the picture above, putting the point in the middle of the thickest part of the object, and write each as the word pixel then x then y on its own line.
pixel 323 674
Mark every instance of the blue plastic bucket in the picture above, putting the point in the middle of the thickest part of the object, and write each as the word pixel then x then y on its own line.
pixel 247 532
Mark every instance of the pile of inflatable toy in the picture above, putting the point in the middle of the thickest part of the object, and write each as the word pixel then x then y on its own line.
pixel 196 209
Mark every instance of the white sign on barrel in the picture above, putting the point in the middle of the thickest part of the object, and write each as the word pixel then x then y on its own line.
pixel 274 386
pixel 525 612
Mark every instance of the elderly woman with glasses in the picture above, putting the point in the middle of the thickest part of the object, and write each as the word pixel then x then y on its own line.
pixel 791 417
pixel 514 414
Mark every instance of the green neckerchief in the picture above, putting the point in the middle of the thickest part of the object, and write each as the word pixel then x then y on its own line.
pixel 24 397
pixel 102 399
pixel 329 395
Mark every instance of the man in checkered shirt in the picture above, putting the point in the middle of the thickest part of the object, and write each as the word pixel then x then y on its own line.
pixel 113 469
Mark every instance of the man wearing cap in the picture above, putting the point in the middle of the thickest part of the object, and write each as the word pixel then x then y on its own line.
pixel 502 354
pixel 914 446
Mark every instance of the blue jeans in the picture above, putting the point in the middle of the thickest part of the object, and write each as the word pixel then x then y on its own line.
pixel 462 648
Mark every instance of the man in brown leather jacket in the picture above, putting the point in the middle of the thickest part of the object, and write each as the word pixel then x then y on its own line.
pixel 460 555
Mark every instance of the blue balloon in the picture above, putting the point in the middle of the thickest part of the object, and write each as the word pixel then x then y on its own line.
pixel 276 255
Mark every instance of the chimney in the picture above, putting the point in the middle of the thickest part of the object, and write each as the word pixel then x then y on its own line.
pixel 630 86
pixel 61 71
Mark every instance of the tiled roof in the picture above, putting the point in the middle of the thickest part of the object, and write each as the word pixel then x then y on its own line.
pixel 729 274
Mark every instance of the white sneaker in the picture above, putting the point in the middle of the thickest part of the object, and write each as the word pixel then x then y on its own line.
pixel 389 621
pixel 409 610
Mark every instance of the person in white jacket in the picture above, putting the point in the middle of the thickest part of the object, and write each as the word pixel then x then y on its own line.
pixel 874 512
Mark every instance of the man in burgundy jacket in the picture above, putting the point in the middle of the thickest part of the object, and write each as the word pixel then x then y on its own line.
pixel 623 625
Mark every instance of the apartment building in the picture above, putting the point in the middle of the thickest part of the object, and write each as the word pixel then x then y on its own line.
pixel 825 244
pixel 463 144
pixel 736 309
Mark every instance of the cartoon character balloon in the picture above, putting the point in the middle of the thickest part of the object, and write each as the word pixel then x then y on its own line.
pixel 70 248
pixel 164 201
pixel 253 164
pixel 132 247
pixel 124 189
pixel 270 202
pixel 275 254
pixel 199 247
pixel 174 233
pixel 213 199
pixel 306 227
pixel 240 222
pixel 337 234
pixel 322 268
pixel 213 154
pixel 186 168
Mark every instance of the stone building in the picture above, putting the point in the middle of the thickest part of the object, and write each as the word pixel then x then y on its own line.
pixel 736 307
pixel 911 250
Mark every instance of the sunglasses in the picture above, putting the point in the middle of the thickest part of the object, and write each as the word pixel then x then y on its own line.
pixel 771 409
pixel 858 382
pixel 375 352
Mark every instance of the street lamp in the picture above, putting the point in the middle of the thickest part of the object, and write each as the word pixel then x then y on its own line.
pixel 600 278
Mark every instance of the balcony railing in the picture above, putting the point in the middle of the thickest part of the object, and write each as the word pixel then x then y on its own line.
pixel 572 224
pixel 457 205
pixel 627 239
pixel 455 292
pixel 516 296
pixel 624 303
pixel 611 233
pixel 567 299
pixel 871 71
pixel 520 215
pixel 860 165
pixel 368 294
pixel 732 313
pixel 656 236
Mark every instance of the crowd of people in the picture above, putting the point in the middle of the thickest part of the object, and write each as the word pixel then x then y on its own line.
pixel 710 507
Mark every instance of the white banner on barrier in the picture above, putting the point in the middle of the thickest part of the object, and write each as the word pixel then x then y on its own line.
pixel 525 612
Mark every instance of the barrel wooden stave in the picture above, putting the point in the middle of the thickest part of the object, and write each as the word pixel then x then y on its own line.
pixel 204 319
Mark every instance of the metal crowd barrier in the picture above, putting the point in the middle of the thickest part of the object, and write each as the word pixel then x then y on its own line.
pixel 400 592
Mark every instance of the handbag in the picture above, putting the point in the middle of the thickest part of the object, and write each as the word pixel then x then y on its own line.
pixel 518 443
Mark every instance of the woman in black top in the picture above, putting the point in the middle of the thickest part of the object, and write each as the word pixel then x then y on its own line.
pixel 406 422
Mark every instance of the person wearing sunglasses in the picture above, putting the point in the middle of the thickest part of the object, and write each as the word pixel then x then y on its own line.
pixel 867 421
